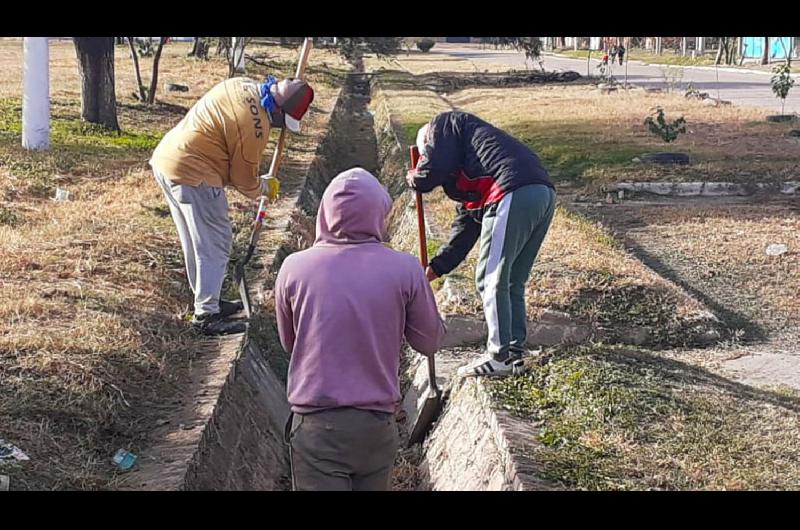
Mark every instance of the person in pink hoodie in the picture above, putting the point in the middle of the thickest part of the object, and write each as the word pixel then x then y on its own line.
pixel 343 307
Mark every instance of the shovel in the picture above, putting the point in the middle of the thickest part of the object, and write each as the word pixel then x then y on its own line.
pixel 433 397
pixel 239 273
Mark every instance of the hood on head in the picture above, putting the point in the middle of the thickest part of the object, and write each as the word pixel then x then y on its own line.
pixel 353 209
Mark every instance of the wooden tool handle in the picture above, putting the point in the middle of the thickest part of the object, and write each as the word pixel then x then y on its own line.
pixel 301 69
pixel 423 243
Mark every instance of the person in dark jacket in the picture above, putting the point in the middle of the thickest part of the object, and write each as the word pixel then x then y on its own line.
pixel 506 200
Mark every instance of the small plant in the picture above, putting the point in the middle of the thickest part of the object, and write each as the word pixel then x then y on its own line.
pixel 425 45
pixel 666 131
pixel 8 217
pixel 782 82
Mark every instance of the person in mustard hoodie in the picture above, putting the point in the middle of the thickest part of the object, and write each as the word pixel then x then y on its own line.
pixel 219 144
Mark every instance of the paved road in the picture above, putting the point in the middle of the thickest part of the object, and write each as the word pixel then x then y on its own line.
pixel 742 88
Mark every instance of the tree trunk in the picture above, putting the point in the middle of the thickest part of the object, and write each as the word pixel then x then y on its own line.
pixel 195 47
pixel 658 45
pixel 139 84
pixel 765 53
pixel 151 94
pixel 224 45
pixel 740 50
pixel 724 50
pixel 96 65
pixel 236 57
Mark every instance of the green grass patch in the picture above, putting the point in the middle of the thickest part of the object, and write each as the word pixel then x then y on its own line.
pixel 8 217
pixel 574 150
pixel 66 129
pixel 621 418
pixel 668 58
pixel 410 128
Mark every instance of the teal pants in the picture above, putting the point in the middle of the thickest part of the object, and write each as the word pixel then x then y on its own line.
pixel 512 233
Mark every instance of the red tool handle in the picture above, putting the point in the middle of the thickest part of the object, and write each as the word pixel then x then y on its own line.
pixel 423 243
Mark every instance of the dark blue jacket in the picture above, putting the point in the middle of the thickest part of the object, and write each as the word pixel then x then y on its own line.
pixel 476 164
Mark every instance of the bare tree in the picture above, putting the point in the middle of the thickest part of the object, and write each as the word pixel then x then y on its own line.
pixel 151 93
pixel 147 95
pixel 135 56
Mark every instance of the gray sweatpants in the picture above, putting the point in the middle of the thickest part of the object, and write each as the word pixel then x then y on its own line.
pixel 512 231
pixel 344 449
pixel 201 217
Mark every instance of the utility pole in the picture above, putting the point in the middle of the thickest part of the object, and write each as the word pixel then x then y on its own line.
pixel 36 94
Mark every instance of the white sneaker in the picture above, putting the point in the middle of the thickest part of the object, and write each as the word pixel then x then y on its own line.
pixel 486 365
pixel 520 354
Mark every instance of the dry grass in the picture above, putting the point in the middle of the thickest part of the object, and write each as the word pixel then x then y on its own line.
pixel 413 109
pixel 417 63
pixel 175 67
pixel 669 57
pixel 593 137
pixel 93 347
pixel 720 250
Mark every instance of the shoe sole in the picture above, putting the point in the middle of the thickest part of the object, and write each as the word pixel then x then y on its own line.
pixel 228 329
pixel 514 371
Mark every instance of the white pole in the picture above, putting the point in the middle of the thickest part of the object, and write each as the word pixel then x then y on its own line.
pixel 36 94
pixel 238 54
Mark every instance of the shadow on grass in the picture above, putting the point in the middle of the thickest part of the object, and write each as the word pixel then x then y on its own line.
pixel 623 221
pixel 676 372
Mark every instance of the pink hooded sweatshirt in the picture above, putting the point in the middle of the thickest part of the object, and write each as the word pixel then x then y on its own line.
pixel 344 305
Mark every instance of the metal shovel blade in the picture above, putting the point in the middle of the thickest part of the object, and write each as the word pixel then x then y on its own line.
pixel 430 408
pixel 429 413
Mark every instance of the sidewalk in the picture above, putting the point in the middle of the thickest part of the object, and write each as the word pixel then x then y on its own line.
pixel 734 69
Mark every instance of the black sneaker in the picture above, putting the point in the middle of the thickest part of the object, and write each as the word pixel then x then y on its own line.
pixel 228 308
pixel 216 324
